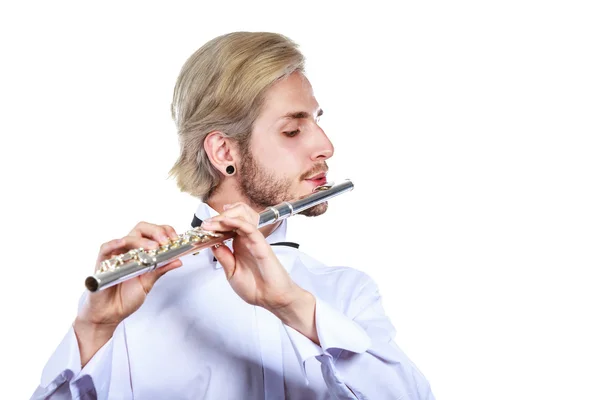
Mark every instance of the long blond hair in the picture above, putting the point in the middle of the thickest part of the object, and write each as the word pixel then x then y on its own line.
pixel 222 87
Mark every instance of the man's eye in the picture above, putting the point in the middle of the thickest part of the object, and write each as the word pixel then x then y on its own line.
pixel 292 133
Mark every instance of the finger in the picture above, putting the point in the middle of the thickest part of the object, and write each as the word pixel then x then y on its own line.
pixel 224 223
pixel 240 226
pixel 212 224
pixel 169 267
pixel 149 279
pixel 126 243
pixel 240 210
pixel 224 255
pixel 171 232
pixel 110 247
pixel 151 231
pixel 120 246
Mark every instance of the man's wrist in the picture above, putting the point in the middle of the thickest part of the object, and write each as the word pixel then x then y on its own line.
pixel 300 314
pixel 91 337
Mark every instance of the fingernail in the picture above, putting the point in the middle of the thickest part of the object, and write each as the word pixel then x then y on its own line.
pixel 226 206
pixel 163 239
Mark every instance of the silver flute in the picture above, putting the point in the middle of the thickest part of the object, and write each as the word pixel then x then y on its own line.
pixel 135 262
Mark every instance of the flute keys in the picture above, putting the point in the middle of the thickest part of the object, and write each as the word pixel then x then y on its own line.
pixel 146 258
pixel 176 243
pixel 116 261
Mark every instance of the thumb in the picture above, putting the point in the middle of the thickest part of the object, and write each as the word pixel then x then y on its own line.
pixel 169 267
pixel 150 278
pixel 225 256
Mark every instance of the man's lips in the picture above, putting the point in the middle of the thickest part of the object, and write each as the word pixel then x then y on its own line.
pixel 318 180
pixel 317 177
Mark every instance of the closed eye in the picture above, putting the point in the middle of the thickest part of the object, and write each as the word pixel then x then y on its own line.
pixel 292 133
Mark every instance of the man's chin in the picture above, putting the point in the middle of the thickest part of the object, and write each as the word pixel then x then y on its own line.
pixel 315 211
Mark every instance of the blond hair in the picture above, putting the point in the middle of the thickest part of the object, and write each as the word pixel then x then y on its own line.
pixel 222 87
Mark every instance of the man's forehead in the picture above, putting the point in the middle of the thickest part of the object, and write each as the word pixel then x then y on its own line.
pixel 293 85
pixel 291 98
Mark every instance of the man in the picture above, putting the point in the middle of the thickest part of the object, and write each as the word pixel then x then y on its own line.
pixel 273 323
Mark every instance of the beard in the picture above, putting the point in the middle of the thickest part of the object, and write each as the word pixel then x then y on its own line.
pixel 264 189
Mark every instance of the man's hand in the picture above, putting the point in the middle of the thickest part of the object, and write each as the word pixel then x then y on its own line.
pixel 255 273
pixel 102 311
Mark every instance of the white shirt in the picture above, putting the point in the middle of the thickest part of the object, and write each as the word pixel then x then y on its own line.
pixel 195 338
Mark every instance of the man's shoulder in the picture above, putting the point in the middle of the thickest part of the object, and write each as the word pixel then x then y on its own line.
pixel 319 268
pixel 338 284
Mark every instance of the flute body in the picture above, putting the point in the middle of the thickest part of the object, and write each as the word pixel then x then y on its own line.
pixel 139 261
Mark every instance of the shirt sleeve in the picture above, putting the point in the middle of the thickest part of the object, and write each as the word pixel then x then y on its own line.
pixel 63 377
pixel 358 356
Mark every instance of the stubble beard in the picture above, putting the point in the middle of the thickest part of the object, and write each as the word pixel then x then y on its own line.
pixel 264 189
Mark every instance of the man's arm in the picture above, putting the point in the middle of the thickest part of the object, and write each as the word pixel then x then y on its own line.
pixel 358 356
pixel 357 352
pixel 64 377
pixel 300 315
pixel 81 365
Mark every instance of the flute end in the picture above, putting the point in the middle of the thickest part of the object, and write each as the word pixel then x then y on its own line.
pixel 91 283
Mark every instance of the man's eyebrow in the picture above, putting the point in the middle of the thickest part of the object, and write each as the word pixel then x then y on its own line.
pixel 300 114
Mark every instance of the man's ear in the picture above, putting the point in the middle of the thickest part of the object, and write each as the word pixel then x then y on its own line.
pixel 221 151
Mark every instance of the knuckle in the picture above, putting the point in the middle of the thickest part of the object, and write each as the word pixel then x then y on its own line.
pixel 168 229
pixel 138 229
pixel 134 242
pixel 108 245
pixel 249 216
pixel 145 229
pixel 129 241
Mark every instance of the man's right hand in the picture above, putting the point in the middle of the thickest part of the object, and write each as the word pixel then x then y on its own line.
pixel 102 311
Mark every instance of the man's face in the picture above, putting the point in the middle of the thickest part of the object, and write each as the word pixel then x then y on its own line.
pixel 288 149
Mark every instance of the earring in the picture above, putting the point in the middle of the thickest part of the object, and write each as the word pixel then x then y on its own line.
pixel 230 169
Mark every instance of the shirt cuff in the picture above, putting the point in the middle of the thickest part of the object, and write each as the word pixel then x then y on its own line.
pixel 65 365
pixel 335 330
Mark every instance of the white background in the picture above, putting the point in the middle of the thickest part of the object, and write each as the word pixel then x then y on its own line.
pixel 469 128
